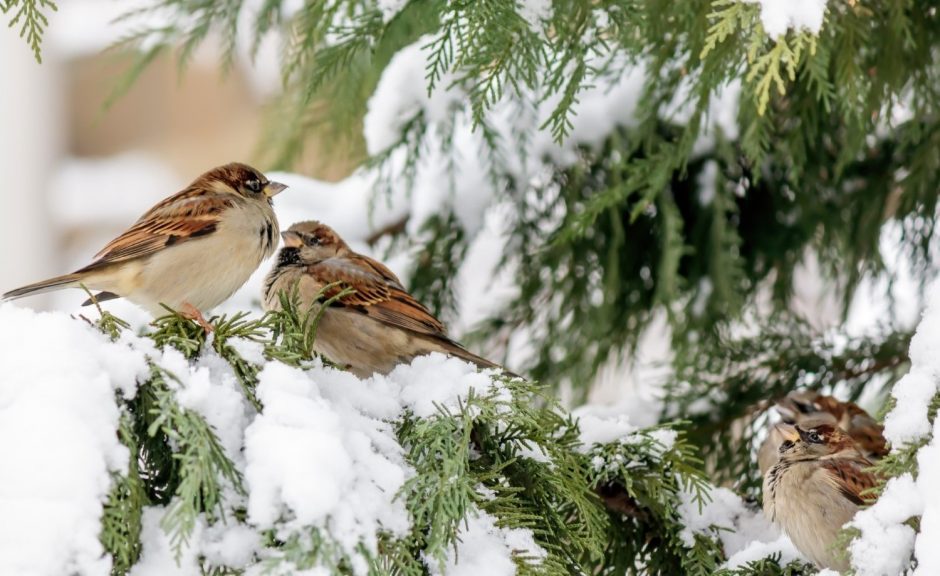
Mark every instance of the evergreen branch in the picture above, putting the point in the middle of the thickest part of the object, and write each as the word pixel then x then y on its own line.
pixel 203 468
pixel 727 17
pixel 767 70
pixel 439 259
pixel 238 327
pixel 354 41
pixel 121 518
pixel 653 467
pixel 294 327
pixel 903 459
pixel 769 566
pixel 180 332
pixel 30 17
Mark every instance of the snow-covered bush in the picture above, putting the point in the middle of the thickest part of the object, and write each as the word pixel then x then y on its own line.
pixel 172 453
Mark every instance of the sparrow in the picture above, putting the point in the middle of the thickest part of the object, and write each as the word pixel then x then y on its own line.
pixel 816 486
pixel 809 409
pixel 189 252
pixel 372 327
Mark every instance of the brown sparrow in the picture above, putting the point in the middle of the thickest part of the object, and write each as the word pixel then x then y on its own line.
pixel 376 326
pixel 816 487
pixel 808 409
pixel 190 252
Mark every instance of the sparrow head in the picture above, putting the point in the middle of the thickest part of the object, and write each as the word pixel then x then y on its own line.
pixel 799 404
pixel 313 241
pixel 809 409
pixel 240 179
pixel 813 443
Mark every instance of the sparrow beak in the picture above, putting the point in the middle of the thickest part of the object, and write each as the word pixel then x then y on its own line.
pixel 788 432
pixel 274 188
pixel 292 239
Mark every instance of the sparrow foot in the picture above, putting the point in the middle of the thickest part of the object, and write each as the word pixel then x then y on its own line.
pixel 187 310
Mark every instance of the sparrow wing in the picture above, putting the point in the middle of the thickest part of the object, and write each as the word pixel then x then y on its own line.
pixel 192 213
pixel 851 478
pixel 377 292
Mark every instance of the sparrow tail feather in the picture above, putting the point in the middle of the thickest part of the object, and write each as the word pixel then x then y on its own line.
pixel 101 297
pixel 465 354
pixel 57 283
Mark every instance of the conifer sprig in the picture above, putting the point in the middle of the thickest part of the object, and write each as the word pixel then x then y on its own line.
pixel 30 17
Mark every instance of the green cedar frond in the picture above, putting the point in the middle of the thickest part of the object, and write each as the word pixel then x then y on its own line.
pixel 30 17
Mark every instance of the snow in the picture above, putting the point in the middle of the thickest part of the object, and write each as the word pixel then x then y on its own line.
pixel 778 16
pixel 158 557
pixel 211 388
pixel 229 544
pixel 535 12
pixel 908 422
pixel 602 425
pixel 928 481
pixel 402 92
pixel 707 182
pixel 599 424
pixel 744 532
pixel 437 382
pixel 758 549
pixel 390 8
pixel 458 177
pixel 313 462
pixel 484 548
pixel 887 541
pixel 57 440
pixel 341 420
pixel 322 454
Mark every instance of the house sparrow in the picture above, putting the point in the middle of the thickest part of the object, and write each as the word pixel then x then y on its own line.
pixel 809 409
pixel 375 327
pixel 815 488
pixel 190 252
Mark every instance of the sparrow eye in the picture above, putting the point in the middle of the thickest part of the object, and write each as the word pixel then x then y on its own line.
pixel 311 240
pixel 814 437
pixel 253 185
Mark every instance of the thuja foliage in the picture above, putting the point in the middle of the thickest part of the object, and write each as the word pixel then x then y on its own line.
pixel 511 452
pixel 29 18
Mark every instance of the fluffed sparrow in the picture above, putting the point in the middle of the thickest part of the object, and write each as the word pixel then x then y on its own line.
pixel 190 252
pixel 808 409
pixel 372 329
pixel 816 487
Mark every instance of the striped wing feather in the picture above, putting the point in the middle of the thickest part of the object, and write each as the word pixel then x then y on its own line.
pixel 377 292
pixel 181 217
pixel 851 478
